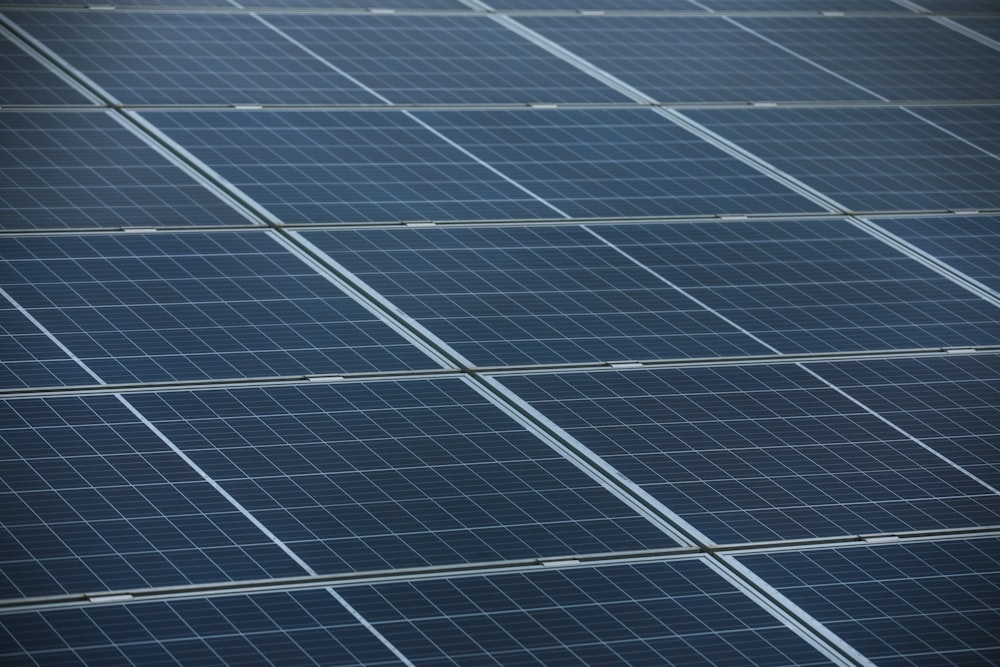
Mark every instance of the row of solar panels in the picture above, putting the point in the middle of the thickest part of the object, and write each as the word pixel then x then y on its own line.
pixel 171 58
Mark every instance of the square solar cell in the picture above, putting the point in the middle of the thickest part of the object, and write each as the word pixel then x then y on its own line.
pixel 196 306
pixel 26 80
pixel 288 628
pixel 759 453
pixel 70 170
pixel 694 59
pixel 667 613
pixel 532 295
pixel 31 359
pixel 899 604
pixel 866 159
pixel 177 58
pixel 614 163
pixel 971 245
pixel 93 501
pixel 442 59
pixel 897 59
pixel 816 286
pixel 952 404
pixel 382 475
pixel 321 167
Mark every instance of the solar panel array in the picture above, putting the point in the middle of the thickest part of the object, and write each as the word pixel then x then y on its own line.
pixel 500 332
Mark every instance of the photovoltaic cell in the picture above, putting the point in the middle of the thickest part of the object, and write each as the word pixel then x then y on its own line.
pixel 25 80
pixel 532 295
pixel 80 170
pixel 952 404
pixel 321 167
pixel 287 628
pixel 866 159
pixel 373 476
pixel 195 307
pixel 811 286
pixel 442 59
pixel 899 604
pixel 971 245
pixel 666 613
pixel 758 453
pixel 615 163
pixel 177 58
pixel 898 59
pixel 694 59
pixel 93 501
pixel 29 358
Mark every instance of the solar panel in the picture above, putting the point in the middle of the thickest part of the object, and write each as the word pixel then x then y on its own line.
pixel 94 501
pixel 804 5
pixel 395 474
pixel 978 125
pixel 532 295
pixel 85 170
pixel 320 167
pixel 899 604
pixel 25 80
pixel 898 59
pixel 292 628
pixel 695 59
pixel 442 59
pixel 811 286
pixel 31 359
pixel 867 159
pixel 758 453
pixel 971 245
pixel 952 404
pixel 198 58
pixel 196 306
pixel 988 27
pixel 666 613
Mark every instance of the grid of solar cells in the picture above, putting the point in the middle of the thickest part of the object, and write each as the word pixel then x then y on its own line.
pixel 26 80
pixel 803 5
pixel 320 167
pixel 532 295
pixel 759 453
pixel 293 628
pixel 395 474
pixel 92 501
pixel 971 245
pixel 988 27
pixel 693 59
pixel 568 5
pixel 811 286
pixel 177 58
pixel 978 125
pixel 442 59
pixel 899 604
pixel 909 59
pixel 31 359
pixel 85 170
pixel 866 159
pixel 946 6
pixel 614 163
pixel 196 306
pixel 667 613
pixel 951 404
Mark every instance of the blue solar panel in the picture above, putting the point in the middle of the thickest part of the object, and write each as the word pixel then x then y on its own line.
pixel 26 80
pixel 532 295
pixel 952 404
pixel 988 27
pixel 442 59
pixel 395 474
pixel 176 58
pixel 295 628
pixel 692 59
pixel 978 125
pixel 69 170
pixel 29 358
pixel 971 245
pixel 804 5
pixel 759 453
pixel 93 501
pixel 816 286
pixel 866 159
pixel 898 59
pixel 667 613
pixel 196 306
pixel 899 604
pixel 320 167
